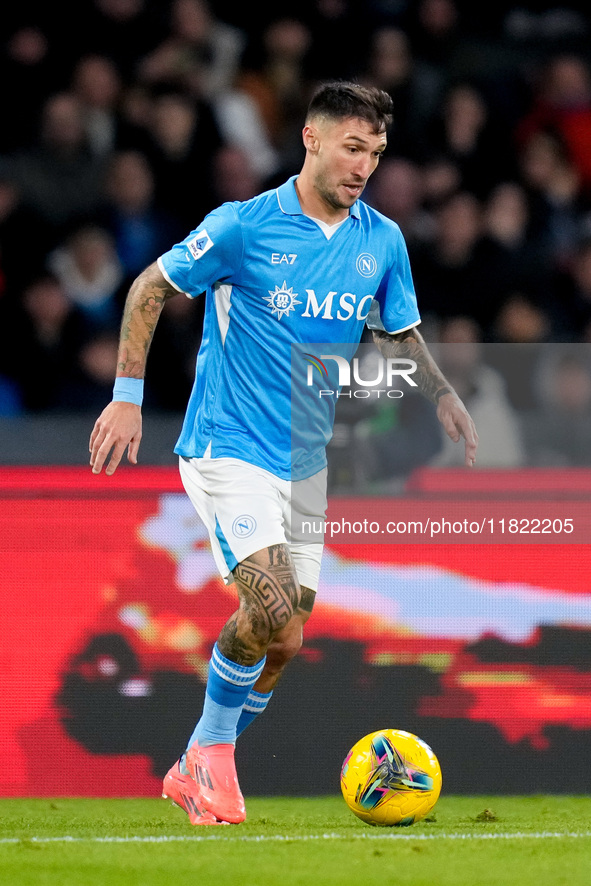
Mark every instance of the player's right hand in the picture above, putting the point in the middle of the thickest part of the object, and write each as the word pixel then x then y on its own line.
pixel 119 426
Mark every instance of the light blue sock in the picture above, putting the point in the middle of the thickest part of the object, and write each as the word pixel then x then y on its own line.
pixel 255 704
pixel 228 686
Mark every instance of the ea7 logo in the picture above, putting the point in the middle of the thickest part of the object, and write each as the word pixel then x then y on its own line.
pixel 278 258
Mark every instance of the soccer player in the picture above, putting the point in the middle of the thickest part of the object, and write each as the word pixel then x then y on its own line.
pixel 306 262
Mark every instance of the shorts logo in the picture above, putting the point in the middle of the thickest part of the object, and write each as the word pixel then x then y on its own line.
pixel 200 243
pixel 366 264
pixel 244 526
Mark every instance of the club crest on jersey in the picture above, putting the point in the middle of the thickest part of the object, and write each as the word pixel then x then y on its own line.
pixel 366 264
pixel 200 243
pixel 282 300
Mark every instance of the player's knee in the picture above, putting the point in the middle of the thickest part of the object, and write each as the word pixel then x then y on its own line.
pixel 288 648
pixel 257 628
pixel 285 646
pixel 268 622
pixel 280 652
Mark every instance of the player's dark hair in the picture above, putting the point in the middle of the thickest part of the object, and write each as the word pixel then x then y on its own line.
pixel 339 99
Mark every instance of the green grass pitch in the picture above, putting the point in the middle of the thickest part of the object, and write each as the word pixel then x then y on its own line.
pixel 467 841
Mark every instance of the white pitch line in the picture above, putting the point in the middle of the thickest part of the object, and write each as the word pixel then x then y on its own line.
pixel 301 838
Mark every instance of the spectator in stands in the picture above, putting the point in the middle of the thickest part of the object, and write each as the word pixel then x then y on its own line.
pixel 18 229
pixel 91 378
pixel 558 433
pixel 234 177
pixel 415 89
pixel 553 186
pixel 434 29
pixel 139 227
pixel 441 180
pixel 242 126
pixel 183 138
pixel 199 50
pixel 483 388
pixel 274 74
pixel 521 321
pixel 123 30
pixel 53 330
pixel 396 190
pixel 97 84
pixel 10 398
pixel 514 254
pixel 31 70
pixel 449 273
pixel 59 179
pixel 91 275
pixel 465 132
pixel 572 307
pixel 562 104
pixel 520 328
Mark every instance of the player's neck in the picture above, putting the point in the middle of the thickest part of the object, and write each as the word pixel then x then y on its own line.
pixel 313 205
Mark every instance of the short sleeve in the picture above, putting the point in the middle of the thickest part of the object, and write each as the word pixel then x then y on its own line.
pixel 394 307
pixel 210 253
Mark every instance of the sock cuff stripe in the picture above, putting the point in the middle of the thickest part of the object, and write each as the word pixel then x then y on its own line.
pixel 254 706
pixel 234 673
pixel 253 695
pixel 251 709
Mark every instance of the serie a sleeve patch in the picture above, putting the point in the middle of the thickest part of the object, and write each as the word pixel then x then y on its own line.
pixel 199 244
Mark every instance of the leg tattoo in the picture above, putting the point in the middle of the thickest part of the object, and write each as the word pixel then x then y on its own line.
pixel 270 589
pixel 307 600
pixel 234 647
pixel 269 595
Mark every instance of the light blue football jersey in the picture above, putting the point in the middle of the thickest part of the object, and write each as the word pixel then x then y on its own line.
pixel 272 280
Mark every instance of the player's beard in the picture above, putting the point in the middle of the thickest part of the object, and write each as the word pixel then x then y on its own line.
pixel 331 196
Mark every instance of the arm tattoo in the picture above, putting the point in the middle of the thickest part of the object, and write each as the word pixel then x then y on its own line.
pixel 411 345
pixel 143 307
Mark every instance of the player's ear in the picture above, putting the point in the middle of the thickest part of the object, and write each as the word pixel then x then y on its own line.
pixel 310 138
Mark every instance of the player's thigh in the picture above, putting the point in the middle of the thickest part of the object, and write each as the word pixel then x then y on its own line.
pixel 268 588
pixel 240 504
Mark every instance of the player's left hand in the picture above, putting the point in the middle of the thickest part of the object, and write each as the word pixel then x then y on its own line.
pixel 457 423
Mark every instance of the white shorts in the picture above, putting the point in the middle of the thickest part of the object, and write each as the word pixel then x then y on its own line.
pixel 246 508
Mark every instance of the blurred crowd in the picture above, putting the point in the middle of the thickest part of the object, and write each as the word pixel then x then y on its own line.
pixel 125 121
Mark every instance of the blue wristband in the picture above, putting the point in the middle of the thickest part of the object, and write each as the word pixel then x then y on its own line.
pixel 129 390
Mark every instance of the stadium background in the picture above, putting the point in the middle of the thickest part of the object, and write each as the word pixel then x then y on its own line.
pixel 116 143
